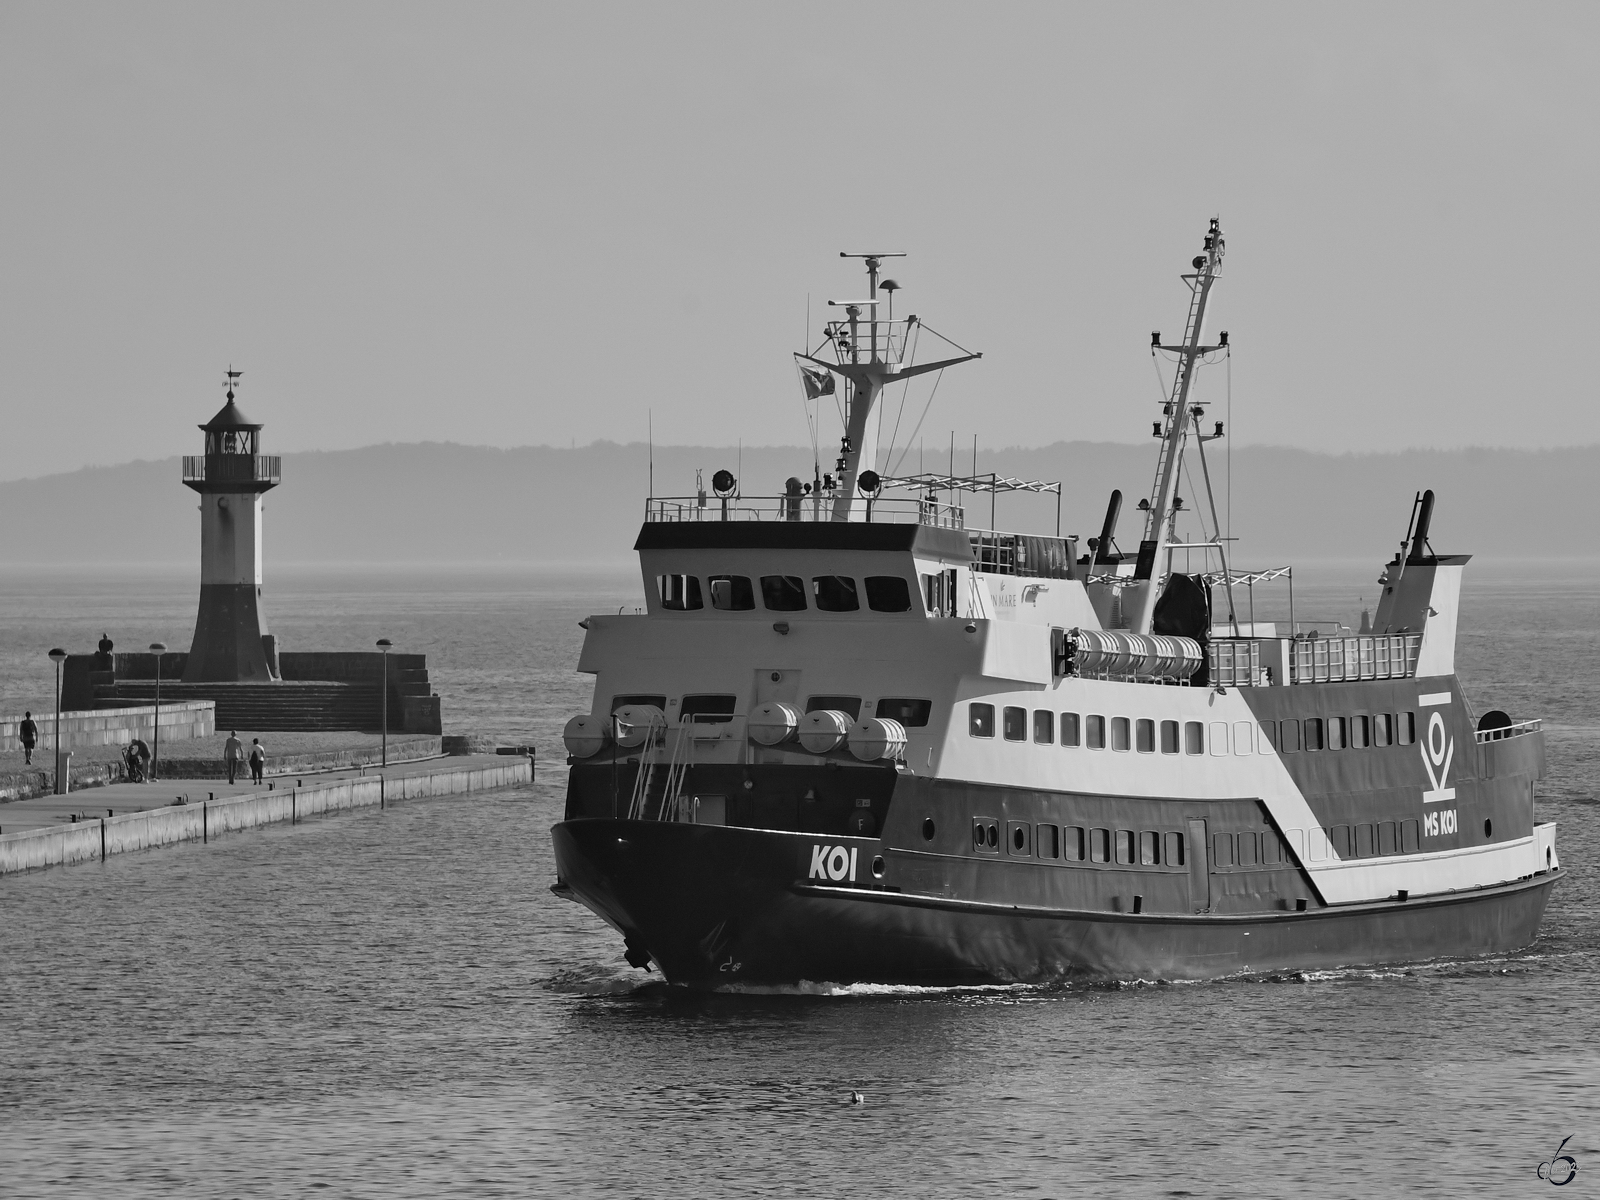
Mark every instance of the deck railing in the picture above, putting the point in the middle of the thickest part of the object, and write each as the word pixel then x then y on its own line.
pixel 893 510
pixel 231 468
pixel 1510 731
pixel 1334 660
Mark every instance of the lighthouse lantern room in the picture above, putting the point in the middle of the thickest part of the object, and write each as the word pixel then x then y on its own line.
pixel 230 634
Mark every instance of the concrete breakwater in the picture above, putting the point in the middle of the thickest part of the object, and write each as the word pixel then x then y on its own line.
pixel 180 720
pixel 91 840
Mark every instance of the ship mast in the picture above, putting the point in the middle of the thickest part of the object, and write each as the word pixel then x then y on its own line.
pixel 867 369
pixel 1174 430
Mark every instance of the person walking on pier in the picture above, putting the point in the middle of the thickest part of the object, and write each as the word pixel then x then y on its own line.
pixel 258 760
pixel 29 732
pixel 233 754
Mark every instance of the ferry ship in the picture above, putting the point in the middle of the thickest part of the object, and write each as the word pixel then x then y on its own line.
pixel 853 738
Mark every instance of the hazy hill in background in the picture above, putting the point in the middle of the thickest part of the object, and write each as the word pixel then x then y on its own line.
pixel 443 503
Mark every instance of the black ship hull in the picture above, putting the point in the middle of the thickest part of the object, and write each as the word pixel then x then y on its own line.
pixel 713 906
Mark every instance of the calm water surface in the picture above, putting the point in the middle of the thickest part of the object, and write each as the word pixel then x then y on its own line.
pixel 393 1004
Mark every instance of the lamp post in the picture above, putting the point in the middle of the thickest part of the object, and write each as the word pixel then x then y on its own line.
pixel 384 644
pixel 58 656
pixel 158 649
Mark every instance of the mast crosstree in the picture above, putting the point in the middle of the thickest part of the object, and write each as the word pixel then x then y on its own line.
pixel 867 368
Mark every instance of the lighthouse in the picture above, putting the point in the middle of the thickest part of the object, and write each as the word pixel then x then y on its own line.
pixel 231 477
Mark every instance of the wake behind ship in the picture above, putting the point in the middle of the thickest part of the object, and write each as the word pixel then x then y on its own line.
pixel 854 739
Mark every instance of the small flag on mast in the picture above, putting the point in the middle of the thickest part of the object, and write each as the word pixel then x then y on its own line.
pixel 816 383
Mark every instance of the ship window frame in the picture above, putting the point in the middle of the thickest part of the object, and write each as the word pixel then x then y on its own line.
pixel 786 587
pixel 1410 836
pixel 1382 729
pixel 1094 732
pixel 913 713
pixel 837 589
pixel 1174 849
pixel 1022 830
pixel 733 593
pixel 1271 849
pixel 1073 847
pixel 1071 730
pixel 1388 838
pixel 980 719
pixel 1360 731
pixel 1224 850
pixel 1338 737
pixel 1014 723
pixel 1267 733
pixel 1219 745
pixel 1194 737
pixel 878 601
pixel 1289 735
pixel 1249 848
pixel 1044 730
pixel 1047 841
pixel 1244 735
pixel 1099 845
pixel 1175 742
pixel 1366 839
pixel 1149 848
pixel 1121 734
pixel 623 699
pixel 1144 735
pixel 693 713
pixel 692 598
pixel 1313 741
pixel 849 705
pixel 1406 729
pixel 1127 847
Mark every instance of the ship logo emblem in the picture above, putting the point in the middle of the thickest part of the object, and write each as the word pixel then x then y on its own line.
pixel 1438 749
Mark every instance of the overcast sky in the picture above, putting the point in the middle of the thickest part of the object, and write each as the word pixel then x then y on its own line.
pixel 514 224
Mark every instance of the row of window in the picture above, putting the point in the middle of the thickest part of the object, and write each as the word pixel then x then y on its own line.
pixel 721 706
pixel 1152 848
pixel 1145 735
pixel 785 593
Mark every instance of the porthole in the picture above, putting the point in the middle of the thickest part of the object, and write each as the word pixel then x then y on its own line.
pixel 994 836
pixel 1488 827
pixel 1019 839
pixel 877 867
pixel 927 829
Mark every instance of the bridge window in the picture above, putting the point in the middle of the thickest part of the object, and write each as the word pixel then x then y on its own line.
pixel 1169 737
pixel 1388 835
pixel 849 705
pixel 1382 729
pixel 1044 726
pixel 1360 732
pixel 707 708
pixel 1174 849
pixel 1364 840
pixel 1313 733
pixel 1222 846
pixel 1408 836
pixel 1096 729
pixel 1016 723
pixel 1119 733
pixel 1249 849
pixel 1150 849
pixel 1289 736
pixel 1070 735
pixel 913 714
pixel 1048 839
pixel 1219 737
pixel 1339 840
pixel 732 593
pixel 1336 733
pixel 1145 737
pixel 679 592
pixel 1194 737
pixel 835 593
pixel 888 593
pixel 1271 848
pixel 980 720
pixel 783 593
pixel 1269 736
pixel 939 593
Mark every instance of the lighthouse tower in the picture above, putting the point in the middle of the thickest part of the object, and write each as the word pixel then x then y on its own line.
pixel 231 477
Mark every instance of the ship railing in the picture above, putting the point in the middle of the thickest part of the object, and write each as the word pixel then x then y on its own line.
pixel 1236 663
pixel 890 510
pixel 1341 659
pixel 232 468
pixel 1510 731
